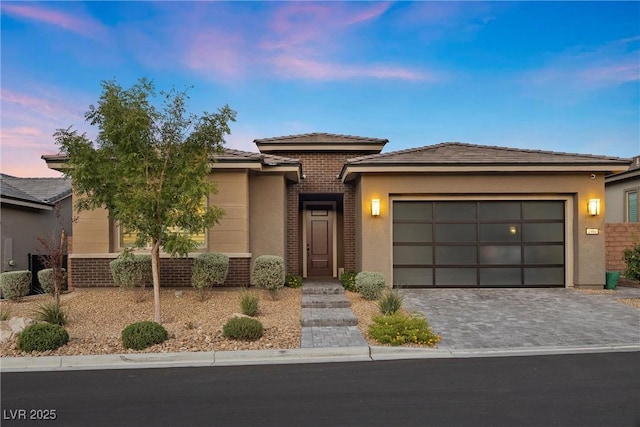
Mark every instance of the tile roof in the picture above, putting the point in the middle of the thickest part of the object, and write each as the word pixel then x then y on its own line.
pixel 239 155
pixel 36 190
pixel 320 137
pixel 459 153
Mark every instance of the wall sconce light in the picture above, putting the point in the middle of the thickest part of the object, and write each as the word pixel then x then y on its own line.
pixel 593 207
pixel 375 207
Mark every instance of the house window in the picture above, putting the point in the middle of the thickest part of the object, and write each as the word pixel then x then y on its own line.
pixel 631 205
pixel 128 239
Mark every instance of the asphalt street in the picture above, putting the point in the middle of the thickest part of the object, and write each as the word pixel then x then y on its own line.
pixel 560 390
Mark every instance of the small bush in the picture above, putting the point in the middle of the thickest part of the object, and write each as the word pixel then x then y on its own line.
pixel 47 279
pixel 398 329
pixel 131 270
pixel 390 303
pixel 15 284
pixel 348 280
pixel 141 335
pixel 370 284
pixel 243 328
pixel 42 337
pixel 209 269
pixel 5 313
pixel 293 281
pixel 631 258
pixel 249 303
pixel 51 312
pixel 268 272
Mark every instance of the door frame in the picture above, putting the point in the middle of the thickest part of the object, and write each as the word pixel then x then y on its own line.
pixel 306 209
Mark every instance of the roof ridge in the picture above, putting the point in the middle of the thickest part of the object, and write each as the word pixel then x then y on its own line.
pixel 311 134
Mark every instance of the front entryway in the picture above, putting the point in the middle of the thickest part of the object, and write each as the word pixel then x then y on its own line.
pixel 319 240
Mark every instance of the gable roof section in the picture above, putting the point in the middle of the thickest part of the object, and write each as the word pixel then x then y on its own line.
pixel 39 193
pixel 632 173
pixel 228 159
pixel 320 141
pixel 462 157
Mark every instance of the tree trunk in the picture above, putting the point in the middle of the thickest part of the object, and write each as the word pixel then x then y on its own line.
pixel 57 272
pixel 155 272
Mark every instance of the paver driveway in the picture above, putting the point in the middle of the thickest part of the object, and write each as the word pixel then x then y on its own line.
pixel 516 318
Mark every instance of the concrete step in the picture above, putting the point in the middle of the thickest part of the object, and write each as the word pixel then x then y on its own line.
pixel 322 288
pixel 325 301
pixel 328 317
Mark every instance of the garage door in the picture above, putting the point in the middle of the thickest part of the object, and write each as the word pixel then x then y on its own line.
pixel 478 243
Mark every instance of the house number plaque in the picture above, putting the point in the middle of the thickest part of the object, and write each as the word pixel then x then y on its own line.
pixel 593 231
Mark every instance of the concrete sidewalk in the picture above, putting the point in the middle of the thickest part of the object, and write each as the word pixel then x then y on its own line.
pixel 272 357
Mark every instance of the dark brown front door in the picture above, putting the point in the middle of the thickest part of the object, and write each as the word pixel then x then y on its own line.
pixel 319 242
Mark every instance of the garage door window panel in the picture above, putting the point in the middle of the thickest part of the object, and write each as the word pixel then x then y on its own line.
pixel 404 277
pixel 456 277
pixel 500 276
pixel 456 233
pixel 456 255
pixel 413 255
pixel 505 232
pixel 412 232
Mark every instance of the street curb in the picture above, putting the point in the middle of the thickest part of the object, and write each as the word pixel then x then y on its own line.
pixel 288 356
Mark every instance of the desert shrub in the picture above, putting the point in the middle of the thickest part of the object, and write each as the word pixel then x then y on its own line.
pixel 293 281
pixel 131 270
pixel 398 329
pixel 390 303
pixel 249 303
pixel 243 328
pixel 51 312
pixel 348 280
pixel 5 313
pixel 42 337
pixel 370 284
pixel 47 279
pixel 15 284
pixel 631 258
pixel 268 272
pixel 141 335
pixel 209 269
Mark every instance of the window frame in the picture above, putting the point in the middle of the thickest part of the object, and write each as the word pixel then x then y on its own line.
pixel 627 210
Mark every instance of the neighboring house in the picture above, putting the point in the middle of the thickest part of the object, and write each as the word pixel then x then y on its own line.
pixel 622 207
pixel 28 212
pixel 446 215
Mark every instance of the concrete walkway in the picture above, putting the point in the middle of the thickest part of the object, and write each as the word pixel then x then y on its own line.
pixel 527 318
pixel 327 319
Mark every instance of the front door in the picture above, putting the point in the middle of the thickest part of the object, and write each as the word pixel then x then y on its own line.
pixel 319 241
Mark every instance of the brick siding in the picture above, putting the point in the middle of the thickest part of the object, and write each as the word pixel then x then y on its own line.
pixel 320 171
pixel 618 237
pixel 174 272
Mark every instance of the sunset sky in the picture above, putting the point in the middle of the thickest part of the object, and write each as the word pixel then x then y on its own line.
pixel 538 75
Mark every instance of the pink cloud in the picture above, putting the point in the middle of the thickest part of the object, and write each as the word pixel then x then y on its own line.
pixel 290 66
pixel 217 52
pixel 86 27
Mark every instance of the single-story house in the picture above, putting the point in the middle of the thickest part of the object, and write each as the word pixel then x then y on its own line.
pixel 622 223
pixel 28 212
pixel 445 215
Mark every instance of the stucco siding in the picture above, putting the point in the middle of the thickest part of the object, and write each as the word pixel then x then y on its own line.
pixel 268 212
pixel 231 235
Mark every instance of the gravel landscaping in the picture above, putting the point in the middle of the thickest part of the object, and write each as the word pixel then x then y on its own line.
pixel 98 316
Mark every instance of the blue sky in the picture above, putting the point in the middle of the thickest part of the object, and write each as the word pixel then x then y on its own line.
pixel 537 75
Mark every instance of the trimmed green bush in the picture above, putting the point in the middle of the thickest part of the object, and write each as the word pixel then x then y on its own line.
pixel 249 303
pixel 398 329
pixel 42 337
pixel 15 284
pixel 348 280
pixel 268 272
pixel 141 335
pixel 293 281
pixel 47 279
pixel 631 258
pixel 131 270
pixel 370 284
pixel 243 328
pixel 209 269
pixel 51 312
pixel 390 303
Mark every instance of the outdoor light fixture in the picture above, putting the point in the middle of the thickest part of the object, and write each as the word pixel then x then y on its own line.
pixel 375 207
pixel 593 207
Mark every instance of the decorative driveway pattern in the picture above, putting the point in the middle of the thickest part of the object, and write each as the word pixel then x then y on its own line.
pixel 529 318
